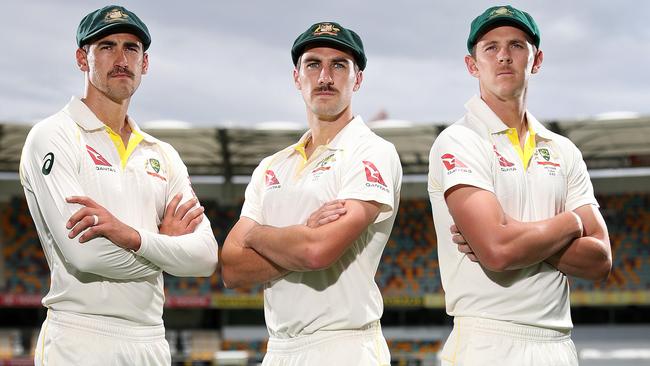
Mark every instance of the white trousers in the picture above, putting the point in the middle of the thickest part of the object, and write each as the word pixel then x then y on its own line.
pixel 364 347
pixel 75 339
pixel 478 341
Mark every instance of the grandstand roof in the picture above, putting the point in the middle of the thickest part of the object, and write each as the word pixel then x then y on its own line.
pixel 610 142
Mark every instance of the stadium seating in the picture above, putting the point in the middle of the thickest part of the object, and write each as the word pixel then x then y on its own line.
pixel 409 266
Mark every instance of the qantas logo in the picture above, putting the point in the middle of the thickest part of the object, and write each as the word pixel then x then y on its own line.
pixel 502 161
pixel 373 177
pixel 451 162
pixel 97 157
pixel 372 173
pixel 271 179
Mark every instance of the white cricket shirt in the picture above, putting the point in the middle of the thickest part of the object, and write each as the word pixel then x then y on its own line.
pixel 478 150
pixel 285 189
pixel 72 153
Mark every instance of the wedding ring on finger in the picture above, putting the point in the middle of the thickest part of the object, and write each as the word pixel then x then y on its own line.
pixel 95 220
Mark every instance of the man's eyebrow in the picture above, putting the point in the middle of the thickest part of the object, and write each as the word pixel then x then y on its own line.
pixel 106 43
pixel 312 59
pixel 132 44
pixel 340 59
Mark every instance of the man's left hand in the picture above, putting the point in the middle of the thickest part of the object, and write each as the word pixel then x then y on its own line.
pixel 183 219
pixel 95 221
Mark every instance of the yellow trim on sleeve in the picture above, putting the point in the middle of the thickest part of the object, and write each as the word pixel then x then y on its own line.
pixel 123 151
pixel 529 146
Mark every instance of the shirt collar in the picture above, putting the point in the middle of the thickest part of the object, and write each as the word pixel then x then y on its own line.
pixel 482 111
pixel 87 120
pixel 348 135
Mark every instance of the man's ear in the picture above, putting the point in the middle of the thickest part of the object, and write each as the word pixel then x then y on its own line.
pixel 82 59
pixel 145 63
pixel 470 62
pixel 296 79
pixel 537 63
pixel 357 80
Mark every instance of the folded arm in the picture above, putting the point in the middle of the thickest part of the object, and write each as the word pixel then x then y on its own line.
pixel 46 192
pixel 498 241
pixel 590 256
pixel 242 266
pixel 302 248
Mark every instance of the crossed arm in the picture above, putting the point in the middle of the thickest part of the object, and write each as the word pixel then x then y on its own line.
pixel 186 248
pixel 254 253
pixel 178 220
pixel 575 242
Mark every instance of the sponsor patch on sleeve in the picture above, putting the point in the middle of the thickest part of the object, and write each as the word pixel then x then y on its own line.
pixel 373 176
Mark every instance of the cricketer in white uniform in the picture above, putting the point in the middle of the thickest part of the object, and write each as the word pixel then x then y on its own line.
pixel 321 303
pixel 524 211
pixel 106 295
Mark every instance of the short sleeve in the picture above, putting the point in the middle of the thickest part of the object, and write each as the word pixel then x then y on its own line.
pixel 372 172
pixel 458 156
pixel 252 207
pixel 580 191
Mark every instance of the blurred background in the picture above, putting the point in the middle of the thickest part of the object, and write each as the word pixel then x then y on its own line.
pixel 220 91
pixel 203 319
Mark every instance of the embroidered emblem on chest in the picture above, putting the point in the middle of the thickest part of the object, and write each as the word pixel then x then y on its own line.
pixel 153 168
pixel 546 159
pixel 323 166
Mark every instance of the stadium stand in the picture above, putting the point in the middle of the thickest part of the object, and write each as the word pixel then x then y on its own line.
pixel 409 266
pixel 407 273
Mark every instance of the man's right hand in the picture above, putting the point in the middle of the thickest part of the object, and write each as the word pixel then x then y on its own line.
pixel 328 212
pixel 463 246
pixel 183 219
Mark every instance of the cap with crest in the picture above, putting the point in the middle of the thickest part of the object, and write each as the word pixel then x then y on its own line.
pixel 498 16
pixel 333 35
pixel 109 20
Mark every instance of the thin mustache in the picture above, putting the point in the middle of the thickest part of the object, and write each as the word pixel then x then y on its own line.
pixel 121 70
pixel 325 88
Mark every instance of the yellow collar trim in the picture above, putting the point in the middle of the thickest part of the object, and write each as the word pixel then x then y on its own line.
pixel 529 146
pixel 300 148
pixel 123 151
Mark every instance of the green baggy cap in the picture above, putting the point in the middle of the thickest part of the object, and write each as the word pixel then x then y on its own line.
pixel 109 20
pixel 333 35
pixel 502 15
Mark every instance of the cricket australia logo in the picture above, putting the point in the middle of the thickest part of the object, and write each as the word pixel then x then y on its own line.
pixel 543 152
pixel 373 177
pixel 153 168
pixel 271 180
pixel 323 166
pixel 546 159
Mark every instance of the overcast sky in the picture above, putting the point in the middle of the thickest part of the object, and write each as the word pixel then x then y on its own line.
pixel 228 62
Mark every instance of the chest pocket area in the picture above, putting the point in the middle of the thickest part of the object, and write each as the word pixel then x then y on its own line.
pixel 151 171
pixel 323 176
pixel 548 180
